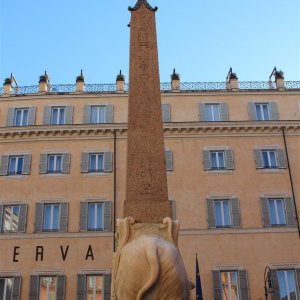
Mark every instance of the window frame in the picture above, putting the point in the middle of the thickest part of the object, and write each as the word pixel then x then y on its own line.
pixel 96 216
pixel 268 164
pixel 282 200
pixel 287 283
pixel 11 218
pixel 212 107
pixel 17 157
pixel 5 286
pixel 52 205
pixel 88 277
pixel 48 285
pixel 22 123
pixel 58 121
pixel 96 154
pixel 55 170
pixel 261 105
pixel 217 153
pixel 98 108
pixel 223 213
pixel 237 283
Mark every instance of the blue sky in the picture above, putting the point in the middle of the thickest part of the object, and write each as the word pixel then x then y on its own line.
pixel 201 38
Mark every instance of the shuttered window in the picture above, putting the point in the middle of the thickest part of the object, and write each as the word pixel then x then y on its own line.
pixel 55 163
pixel 15 164
pixel 10 287
pixel 58 115
pixel 169 160
pixel 97 114
pixel 218 160
pixel 13 218
pixel 213 112
pixel 166 112
pixel 270 158
pixel 96 162
pixel 21 116
pixel 264 111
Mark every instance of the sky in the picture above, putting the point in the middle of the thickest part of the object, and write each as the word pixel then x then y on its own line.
pixel 202 39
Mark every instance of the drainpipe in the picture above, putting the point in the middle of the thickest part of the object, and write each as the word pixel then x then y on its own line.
pixel 115 190
pixel 291 180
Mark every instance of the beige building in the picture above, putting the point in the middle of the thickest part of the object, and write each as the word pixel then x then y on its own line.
pixel 232 159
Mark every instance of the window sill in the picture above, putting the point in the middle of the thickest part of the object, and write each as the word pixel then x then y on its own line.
pixel 15 176
pixel 53 175
pixel 95 174
pixel 220 171
pixel 269 170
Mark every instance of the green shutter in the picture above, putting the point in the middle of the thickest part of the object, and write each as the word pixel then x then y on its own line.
pixel 265 212
pixel 235 212
pixel 252 111
pixel 26 164
pixel 275 285
pixel 31 116
pixel 10 117
pixel 43 163
pixel 274 115
pixel 229 159
pixel 81 287
pixel 34 287
pixel 258 159
pixel 16 288
pixel 109 114
pixel 1 218
pixel 4 165
pixel 22 218
pixel 210 213
pixel 217 285
pixel 61 285
pixel 201 112
pixel 206 160
pixel 108 162
pixel 83 216
pixel 63 222
pixel 224 112
pixel 85 162
pixel 107 215
pixel 47 115
pixel 66 157
pixel 281 159
pixel 243 283
pixel 107 286
pixel 290 212
pixel 87 114
pixel 69 114
pixel 166 112
pixel 169 160
pixel 39 213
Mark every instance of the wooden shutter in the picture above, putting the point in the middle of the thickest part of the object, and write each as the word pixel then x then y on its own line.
pixel 85 162
pixel 34 287
pixel 290 213
pixel 22 218
pixel 66 157
pixel 107 286
pixel 169 160
pixel 81 287
pixel 252 111
pixel 43 163
pixel 206 160
pixel 235 212
pixel 83 216
pixel 166 112
pixel 229 159
pixel 173 209
pixel 224 112
pixel 47 115
pixel 4 165
pixel 63 222
pixel 201 112
pixel 10 117
pixel 16 288
pixel 26 164
pixel 69 114
pixel 281 159
pixel 1 218
pixel 297 271
pixel 274 115
pixel 210 213
pixel 258 159
pixel 265 211
pixel 31 116
pixel 243 283
pixel 217 285
pixel 107 215
pixel 275 285
pixel 60 290
pixel 108 163
pixel 109 114
pixel 39 216
pixel 87 114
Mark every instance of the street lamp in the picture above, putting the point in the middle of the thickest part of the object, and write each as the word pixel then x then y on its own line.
pixel 268 283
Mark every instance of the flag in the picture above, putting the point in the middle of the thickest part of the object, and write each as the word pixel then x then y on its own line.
pixel 198 282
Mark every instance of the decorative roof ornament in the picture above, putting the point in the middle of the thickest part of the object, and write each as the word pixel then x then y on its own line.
pixel 139 4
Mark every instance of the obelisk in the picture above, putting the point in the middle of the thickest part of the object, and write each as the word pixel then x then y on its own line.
pixel 146 188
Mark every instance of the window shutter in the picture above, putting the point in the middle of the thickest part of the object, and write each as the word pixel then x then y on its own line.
pixel 22 218
pixel 85 162
pixel 210 213
pixel 289 208
pixel 66 163
pixel 252 111
pixel 258 159
pixel 107 286
pixel 201 112
pixel 81 287
pixel 265 212
pixel 47 115
pixel 235 211
pixel 275 285
pixel 107 215
pixel 108 162
pixel 1 218
pixel 60 290
pixel 217 285
pixel 169 160
pixel 87 114
pixel 83 216
pixel 274 115
pixel 26 164
pixel 166 112
pixel 206 160
pixel 281 159
pixel 173 209
pixel 243 282
pixel 229 159
pixel 224 112
pixel 63 222
pixel 10 117
pixel 34 287
pixel 16 288
pixel 298 278
pixel 43 163
pixel 109 114
pixel 39 212
pixel 69 114
pixel 31 116
pixel 4 165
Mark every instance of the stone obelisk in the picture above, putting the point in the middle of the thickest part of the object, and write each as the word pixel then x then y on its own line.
pixel 146 189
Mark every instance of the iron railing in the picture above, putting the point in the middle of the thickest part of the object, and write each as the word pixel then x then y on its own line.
pixel 164 86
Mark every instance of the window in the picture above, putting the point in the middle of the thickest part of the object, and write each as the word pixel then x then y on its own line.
pixel 287 284
pixel 166 112
pixel 58 115
pixel 270 158
pixel 94 287
pixel 277 213
pixel 222 213
pixel 15 166
pixel 21 117
pixel 47 289
pixel 6 288
pixel 95 216
pixel 96 162
pixel 55 163
pixel 212 112
pixel 51 217
pixel 169 160
pixel 218 160
pixel 262 111
pixel 11 218
pixel 98 114
pixel 230 287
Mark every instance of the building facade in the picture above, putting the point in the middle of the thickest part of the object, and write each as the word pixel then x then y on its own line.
pixel 232 159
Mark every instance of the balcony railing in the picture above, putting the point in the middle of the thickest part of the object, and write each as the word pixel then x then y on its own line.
pixel 164 86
